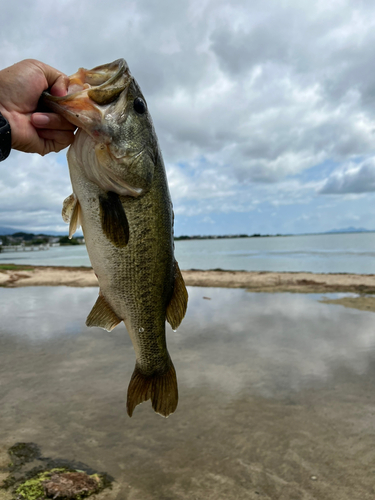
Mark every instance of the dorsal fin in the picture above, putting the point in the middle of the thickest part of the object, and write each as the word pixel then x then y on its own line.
pixel 114 222
pixel 177 306
pixel 102 315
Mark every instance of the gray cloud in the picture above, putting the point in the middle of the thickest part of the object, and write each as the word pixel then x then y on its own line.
pixel 351 179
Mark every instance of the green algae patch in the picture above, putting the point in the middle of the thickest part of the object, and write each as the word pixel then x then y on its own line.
pixel 60 483
pixel 15 267
pixel 32 489
pixel 34 477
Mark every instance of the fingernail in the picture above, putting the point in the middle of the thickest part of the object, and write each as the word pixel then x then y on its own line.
pixel 41 120
pixel 59 92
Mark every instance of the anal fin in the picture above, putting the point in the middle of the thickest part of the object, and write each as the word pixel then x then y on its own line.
pixel 102 315
pixel 177 306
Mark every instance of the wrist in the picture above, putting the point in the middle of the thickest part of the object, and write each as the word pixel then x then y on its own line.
pixel 5 138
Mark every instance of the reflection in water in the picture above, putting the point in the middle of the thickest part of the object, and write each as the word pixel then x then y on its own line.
pixel 271 342
pixel 42 313
pixel 264 379
pixel 263 342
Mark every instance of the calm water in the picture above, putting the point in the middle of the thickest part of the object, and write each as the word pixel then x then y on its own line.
pixel 329 253
pixel 277 396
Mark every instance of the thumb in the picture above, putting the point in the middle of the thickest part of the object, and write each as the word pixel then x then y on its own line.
pixel 60 86
pixel 57 81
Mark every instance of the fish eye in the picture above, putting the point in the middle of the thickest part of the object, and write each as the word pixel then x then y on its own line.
pixel 139 105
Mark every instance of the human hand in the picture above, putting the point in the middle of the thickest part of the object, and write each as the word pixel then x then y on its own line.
pixel 20 88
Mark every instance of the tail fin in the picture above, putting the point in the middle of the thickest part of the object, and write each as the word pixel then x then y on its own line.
pixel 160 388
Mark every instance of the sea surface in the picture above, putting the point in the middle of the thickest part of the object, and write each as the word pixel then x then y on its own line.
pixel 321 253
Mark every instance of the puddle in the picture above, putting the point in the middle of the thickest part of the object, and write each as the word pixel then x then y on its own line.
pixel 275 389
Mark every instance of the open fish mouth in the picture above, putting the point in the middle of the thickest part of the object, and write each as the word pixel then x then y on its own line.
pixel 99 102
pixel 90 92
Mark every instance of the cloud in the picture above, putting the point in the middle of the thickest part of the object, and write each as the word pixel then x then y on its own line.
pixel 32 190
pixel 354 178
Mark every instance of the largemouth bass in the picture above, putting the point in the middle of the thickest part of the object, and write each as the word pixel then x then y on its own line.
pixel 121 199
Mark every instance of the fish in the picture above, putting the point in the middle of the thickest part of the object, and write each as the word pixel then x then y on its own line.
pixel 122 202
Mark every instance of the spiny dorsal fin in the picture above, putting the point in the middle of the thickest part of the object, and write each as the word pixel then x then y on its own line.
pixel 102 315
pixel 177 306
pixel 161 388
pixel 114 222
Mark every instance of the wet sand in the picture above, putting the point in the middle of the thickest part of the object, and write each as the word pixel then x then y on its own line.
pixel 271 282
pixel 277 396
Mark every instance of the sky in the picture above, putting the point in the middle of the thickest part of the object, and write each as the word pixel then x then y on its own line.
pixel 264 110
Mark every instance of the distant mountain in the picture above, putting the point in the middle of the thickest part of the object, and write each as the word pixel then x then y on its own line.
pixel 351 230
pixel 6 231
pixel 11 230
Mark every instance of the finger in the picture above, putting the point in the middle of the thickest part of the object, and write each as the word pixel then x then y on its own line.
pixel 56 139
pixel 57 81
pixel 60 87
pixel 51 121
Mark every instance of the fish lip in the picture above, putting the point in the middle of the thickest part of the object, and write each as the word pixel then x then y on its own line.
pixel 46 97
pixel 58 103
pixel 54 103
pixel 122 70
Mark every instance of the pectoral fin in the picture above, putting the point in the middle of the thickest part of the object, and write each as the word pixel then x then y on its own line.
pixel 102 315
pixel 114 222
pixel 71 213
pixel 68 207
pixel 177 306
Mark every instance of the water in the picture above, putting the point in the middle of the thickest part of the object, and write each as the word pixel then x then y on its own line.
pixel 276 392
pixel 323 253
pixel 326 253
pixel 56 256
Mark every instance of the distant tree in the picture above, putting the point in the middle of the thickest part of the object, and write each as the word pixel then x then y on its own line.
pixel 39 241
pixel 64 240
pixel 24 236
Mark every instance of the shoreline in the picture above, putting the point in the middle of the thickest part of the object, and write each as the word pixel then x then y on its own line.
pixel 12 275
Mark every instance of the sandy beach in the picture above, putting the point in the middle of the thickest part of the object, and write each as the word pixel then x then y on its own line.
pixel 16 276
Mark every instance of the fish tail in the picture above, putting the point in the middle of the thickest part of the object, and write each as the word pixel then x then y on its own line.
pixel 161 388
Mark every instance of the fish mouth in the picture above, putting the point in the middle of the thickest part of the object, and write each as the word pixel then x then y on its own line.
pixel 90 93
